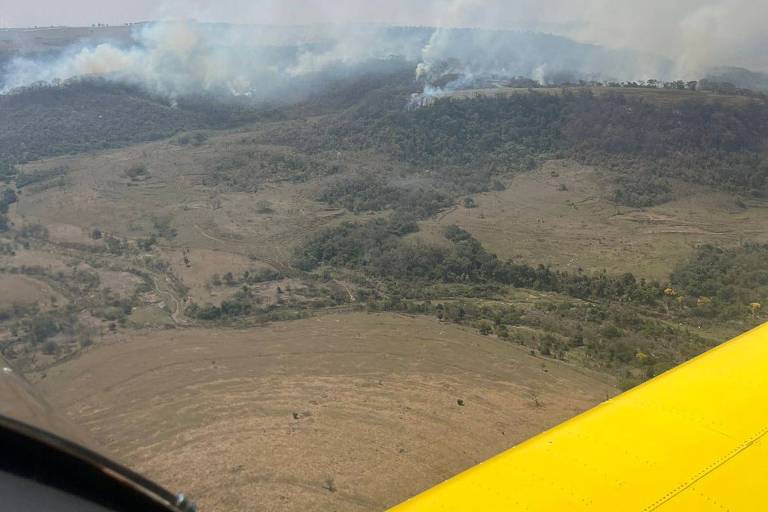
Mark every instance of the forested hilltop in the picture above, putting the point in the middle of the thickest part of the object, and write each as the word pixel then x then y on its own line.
pixel 93 114
pixel 716 142
pixel 706 140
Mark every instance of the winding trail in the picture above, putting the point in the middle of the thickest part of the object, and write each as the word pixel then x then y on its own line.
pixel 176 310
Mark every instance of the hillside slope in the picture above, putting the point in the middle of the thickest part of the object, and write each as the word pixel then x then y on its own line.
pixel 87 115
pixel 341 412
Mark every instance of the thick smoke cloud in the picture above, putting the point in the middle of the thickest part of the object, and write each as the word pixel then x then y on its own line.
pixel 175 59
pixel 477 53
pixel 181 58
pixel 618 40
pixel 695 34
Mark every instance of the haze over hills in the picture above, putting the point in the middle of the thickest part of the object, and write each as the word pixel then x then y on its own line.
pixel 179 58
pixel 739 77
pixel 336 244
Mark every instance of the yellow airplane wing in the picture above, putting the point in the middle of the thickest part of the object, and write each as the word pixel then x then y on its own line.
pixel 693 439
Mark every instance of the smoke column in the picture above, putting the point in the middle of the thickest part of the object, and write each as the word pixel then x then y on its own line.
pixel 551 41
pixel 174 59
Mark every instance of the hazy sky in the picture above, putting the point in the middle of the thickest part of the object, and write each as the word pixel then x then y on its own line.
pixel 18 13
pixel 728 31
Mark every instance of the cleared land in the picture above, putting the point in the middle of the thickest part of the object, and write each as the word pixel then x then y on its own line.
pixel 340 412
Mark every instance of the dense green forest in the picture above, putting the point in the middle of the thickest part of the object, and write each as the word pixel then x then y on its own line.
pixel 714 282
pixel 464 142
pixel 715 143
pixel 724 281
pixel 615 321
pixel 89 114
pixel 377 247
pixel 92 114
pixel 361 193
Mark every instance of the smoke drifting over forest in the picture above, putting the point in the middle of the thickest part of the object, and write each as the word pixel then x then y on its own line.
pixel 596 40
pixel 179 58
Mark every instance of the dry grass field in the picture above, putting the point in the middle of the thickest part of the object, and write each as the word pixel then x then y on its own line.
pixel 558 215
pixel 95 193
pixel 21 401
pixel 15 289
pixel 340 412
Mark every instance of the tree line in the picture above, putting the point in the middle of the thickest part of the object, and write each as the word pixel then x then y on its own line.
pixel 377 247
pixel 711 142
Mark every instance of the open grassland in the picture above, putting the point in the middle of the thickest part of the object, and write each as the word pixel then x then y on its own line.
pixel 25 291
pixel 94 192
pixel 339 412
pixel 21 401
pixel 558 215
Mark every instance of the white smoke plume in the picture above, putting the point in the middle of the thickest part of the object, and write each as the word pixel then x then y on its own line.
pixel 620 39
pixel 180 58
pixel 543 57
pixel 694 35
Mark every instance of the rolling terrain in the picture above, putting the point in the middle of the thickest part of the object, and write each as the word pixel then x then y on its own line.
pixel 343 412
pixel 336 303
pixel 559 215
